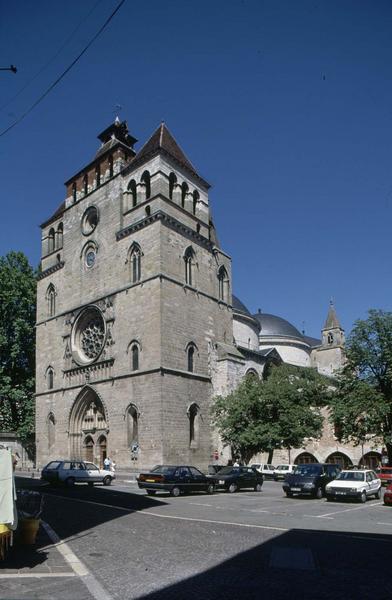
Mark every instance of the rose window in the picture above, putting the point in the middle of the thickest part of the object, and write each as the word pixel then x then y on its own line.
pixel 88 336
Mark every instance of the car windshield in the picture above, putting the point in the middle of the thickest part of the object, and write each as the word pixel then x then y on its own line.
pixel 228 470
pixel 164 469
pixel 351 476
pixel 307 470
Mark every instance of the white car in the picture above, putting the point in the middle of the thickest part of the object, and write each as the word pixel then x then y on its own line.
pixel 70 472
pixel 359 484
pixel 281 471
pixel 266 470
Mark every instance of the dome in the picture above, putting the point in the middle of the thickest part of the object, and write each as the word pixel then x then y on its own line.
pixel 272 326
pixel 239 307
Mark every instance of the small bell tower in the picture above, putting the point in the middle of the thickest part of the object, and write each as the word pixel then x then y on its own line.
pixel 329 358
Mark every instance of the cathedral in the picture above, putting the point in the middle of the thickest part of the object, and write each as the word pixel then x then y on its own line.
pixel 137 326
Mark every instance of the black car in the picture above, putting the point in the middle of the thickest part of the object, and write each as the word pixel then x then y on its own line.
pixel 232 479
pixel 175 479
pixel 310 479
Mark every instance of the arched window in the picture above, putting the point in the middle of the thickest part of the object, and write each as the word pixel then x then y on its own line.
pixel 98 175
pixel 252 374
pixel 338 458
pixel 51 430
pixel 51 300
pixel 148 211
pixel 51 236
pixel 59 236
pixel 196 197
pixel 135 357
pixel 191 358
pixel 172 182
pixel 132 419
pixel 110 166
pixel 135 263
pixel 147 181
pixel 85 183
pixel 305 458
pixel 223 284
pixel 184 191
pixel 74 191
pixel 330 338
pixel 50 378
pixel 189 260
pixel 132 191
pixel 194 425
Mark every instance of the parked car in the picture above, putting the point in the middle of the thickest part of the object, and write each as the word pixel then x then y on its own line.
pixel 281 471
pixel 359 484
pixel 233 478
pixel 388 495
pixel 385 475
pixel 310 479
pixel 175 479
pixel 70 472
pixel 265 469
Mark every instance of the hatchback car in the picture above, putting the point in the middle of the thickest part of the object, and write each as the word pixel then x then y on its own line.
pixel 232 479
pixel 388 495
pixel 358 484
pixel 176 480
pixel 310 479
pixel 70 472
pixel 281 471
pixel 265 469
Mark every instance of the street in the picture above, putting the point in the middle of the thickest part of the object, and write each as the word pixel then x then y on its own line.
pixel 243 545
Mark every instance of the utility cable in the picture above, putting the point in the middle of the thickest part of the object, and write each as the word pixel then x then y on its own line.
pixel 51 87
pixel 22 89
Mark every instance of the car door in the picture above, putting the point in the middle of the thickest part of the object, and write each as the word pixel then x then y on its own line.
pixel 182 479
pixel 79 471
pixel 93 473
pixel 374 482
pixel 369 486
pixel 248 477
pixel 198 480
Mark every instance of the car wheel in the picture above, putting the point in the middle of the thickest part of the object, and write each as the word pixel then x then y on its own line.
pixel 363 497
pixel 210 489
pixel 319 493
pixel 70 481
pixel 233 487
pixel 289 494
pixel 151 492
pixel 377 495
pixel 175 492
pixel 258 487
pixel 107 480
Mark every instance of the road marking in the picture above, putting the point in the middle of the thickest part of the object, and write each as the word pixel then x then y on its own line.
pixel 337 512
pixel 389 524
pixel 318 517
pixel 92 584
pixel 35 575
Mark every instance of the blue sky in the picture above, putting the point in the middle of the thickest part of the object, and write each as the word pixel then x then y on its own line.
pixel 284 107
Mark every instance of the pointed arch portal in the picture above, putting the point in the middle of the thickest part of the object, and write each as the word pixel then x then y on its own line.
pixel 88 429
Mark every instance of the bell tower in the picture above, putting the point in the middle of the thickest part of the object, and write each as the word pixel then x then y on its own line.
pixel 329 357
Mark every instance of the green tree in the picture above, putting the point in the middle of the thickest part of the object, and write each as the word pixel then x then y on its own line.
pixel 362 403
pixel 277 413
pixel 17 344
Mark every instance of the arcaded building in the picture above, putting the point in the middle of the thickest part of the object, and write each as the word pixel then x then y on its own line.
pixel 137 327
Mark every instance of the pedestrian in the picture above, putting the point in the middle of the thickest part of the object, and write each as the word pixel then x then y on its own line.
pixel 112 466
pixel 236 464
pixel 106 463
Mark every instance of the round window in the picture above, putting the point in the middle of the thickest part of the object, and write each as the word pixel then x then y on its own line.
pixel 90 257
pixel 88 336
pixel 90 220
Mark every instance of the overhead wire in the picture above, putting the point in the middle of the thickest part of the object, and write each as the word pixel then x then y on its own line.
pixel 22 89
pixel 57 81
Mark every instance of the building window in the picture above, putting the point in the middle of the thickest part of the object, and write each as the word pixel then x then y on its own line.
pixel 194 425
pixel 135 263
pixel 51 237
pixel 147 182
pixel 74 191
pixel 330 338
pixel 90 220
pixel 98 175
pixel 88 335
pixel 184 191
pixel 111 166
pixel 59 236
pixel 132 418
pixel 223 284
pixel 132 191
pixel 85 184
pixel 135 357
pixel 51 300
pixel 189 261
pixel 50 378
pixel 196 197
pixel 172 183
pixel 191 358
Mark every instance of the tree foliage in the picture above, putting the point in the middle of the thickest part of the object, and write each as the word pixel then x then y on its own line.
pixel 280 412
pixel 362 404
pixel 17 344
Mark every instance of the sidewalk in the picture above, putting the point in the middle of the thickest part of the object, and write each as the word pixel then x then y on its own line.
pixel 44 571
pixel 121 475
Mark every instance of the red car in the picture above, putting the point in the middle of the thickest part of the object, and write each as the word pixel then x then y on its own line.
pixel 385 474
pixel 388 495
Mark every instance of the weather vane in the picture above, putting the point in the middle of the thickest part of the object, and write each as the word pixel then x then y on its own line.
pixel 117 110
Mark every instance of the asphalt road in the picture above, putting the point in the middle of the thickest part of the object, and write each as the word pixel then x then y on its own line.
pixel 244 545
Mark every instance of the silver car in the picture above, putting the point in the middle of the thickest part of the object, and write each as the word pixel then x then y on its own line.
pixel 70 472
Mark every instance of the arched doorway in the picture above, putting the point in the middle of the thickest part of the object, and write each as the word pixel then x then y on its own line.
pixel 338 458
pixel 88 430
pixel 305 458
pixel 370 460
